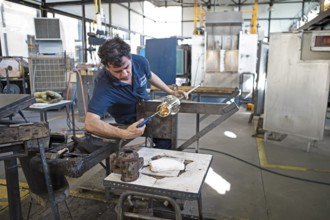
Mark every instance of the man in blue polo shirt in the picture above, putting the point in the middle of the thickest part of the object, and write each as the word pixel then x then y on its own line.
pixel 118 86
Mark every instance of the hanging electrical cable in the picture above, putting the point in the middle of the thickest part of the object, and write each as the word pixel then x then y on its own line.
pixel 265 169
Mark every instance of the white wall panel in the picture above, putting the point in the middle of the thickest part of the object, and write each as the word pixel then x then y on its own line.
pixel 90 11
pixel 165 30
pixel 286 10
pixel 188 28
pixel 149 10
pixel 105 8
pixel 136 22
pixel 135 42
pixel 19 22
pixel 16 44
pixel 163 14
pixel 188 14
pixel 222 8
pixel 166 25
pixel 263 27
pixel 246 26
pixel 247 11
pixel 69 33
pixel 119 16
pixel 149 27
pixel 280 25
pixel 262 11
pixel 74 9
pixel 77 10
pixel 250 1
pixel 137 6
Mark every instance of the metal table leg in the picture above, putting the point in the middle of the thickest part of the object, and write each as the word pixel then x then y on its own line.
pixel 197 125
pixel 51 196
pixel 107 166
pixel 228 111
pixel 14 200
pixel 200 207
pixel 45 116
pixel 41 116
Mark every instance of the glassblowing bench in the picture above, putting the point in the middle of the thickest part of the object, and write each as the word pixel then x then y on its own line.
pixel 187 185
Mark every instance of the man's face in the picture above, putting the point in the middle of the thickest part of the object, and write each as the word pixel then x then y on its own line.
pixel 122 73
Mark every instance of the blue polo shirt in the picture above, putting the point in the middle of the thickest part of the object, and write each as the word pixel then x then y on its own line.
pixel 119 98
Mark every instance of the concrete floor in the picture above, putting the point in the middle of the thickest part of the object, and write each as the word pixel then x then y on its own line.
pixel 255 191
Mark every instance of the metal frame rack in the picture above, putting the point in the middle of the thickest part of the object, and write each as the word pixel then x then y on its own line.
pixel 49 72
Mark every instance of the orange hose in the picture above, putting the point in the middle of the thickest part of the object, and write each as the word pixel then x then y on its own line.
pixel 81 87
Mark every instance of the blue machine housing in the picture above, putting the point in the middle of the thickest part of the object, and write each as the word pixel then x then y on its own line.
pixel 161 54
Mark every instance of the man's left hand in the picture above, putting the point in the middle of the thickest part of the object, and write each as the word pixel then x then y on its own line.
pixel 180 93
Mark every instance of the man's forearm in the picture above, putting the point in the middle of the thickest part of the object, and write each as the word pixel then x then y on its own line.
pixel 95 125
pixel 156 81
pixel 103 129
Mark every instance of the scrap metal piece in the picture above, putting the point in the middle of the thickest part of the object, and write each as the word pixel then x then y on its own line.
pixel 16 140
pixel 12 103
pixel 126 163
pixel 23 132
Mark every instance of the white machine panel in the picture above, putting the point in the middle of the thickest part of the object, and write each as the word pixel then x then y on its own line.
pixel 197 59
pixel 297 91
pixel 248 47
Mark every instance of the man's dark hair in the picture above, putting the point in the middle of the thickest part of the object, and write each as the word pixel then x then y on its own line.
pixel 111 52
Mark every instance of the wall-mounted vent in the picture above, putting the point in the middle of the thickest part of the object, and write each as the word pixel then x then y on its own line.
pixel 47 28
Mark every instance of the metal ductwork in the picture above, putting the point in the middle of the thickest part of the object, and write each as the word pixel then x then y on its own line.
pixel 224 23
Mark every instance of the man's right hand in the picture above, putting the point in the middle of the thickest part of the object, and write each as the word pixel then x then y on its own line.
pixel 132 131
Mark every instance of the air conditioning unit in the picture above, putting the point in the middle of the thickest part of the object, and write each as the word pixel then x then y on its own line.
pixel 48 35
pixel 47 28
